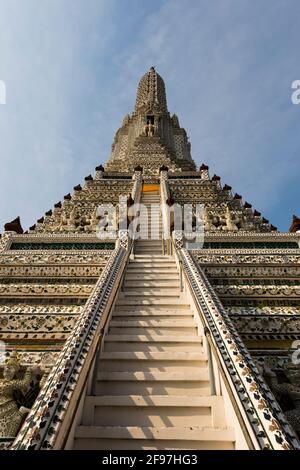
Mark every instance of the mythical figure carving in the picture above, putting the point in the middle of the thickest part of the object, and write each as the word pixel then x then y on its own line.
pixel 230 225
pixel 11 416
pixel 287 393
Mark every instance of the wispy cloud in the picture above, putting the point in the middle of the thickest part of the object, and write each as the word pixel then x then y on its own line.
pixel 71 69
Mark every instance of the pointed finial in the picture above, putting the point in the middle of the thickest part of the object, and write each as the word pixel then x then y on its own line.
pixel 295 227
pixel 14 226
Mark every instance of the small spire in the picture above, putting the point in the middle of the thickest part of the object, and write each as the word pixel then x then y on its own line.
pixel 216 178
pixel 14 226
pixel 99 168
pixel 203 167
pixel 295 227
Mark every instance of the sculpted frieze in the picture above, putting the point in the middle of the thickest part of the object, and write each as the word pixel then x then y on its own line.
pixel 56 271
pixel 32 289
pixel 59 258
pixel 254 258
pixel 38 323
pixel 252 271
pixel 23 308
pixel 256 290
pixel 263 310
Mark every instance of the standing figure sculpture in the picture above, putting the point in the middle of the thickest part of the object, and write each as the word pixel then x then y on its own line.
pixel 287 390
pixel 11 417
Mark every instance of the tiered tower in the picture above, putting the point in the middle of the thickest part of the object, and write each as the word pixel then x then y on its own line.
pixel 168 144
pixel 151 342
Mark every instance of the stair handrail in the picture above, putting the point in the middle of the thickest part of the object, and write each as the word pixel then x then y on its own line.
pixel 51 417
pixel 136 195
pixel 262 418
pixel 137 185
pixel 164 195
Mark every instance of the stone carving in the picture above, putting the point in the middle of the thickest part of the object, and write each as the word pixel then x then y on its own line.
pixel 11 416
pixel 272 326
pixel 5 241
pixel 23 308
pixel 86 257
pixel 287 393
pixel 178 239
pixel 224 212
pixel 257 290
pixel 26 289
pixel 229 221
pixel 57 271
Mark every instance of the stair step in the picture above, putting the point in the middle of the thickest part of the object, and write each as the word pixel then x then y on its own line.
pixel 196 376
pixel 146 316
pixel 149 366
pixel 153 331
pixel 131 410
pixel 152 313
pixel 152 264
pixel 150 258
pixel 152 339
pixel 156 257
pixel 149 242
pixel 140 315
pixel 154 356
pixel 172 277
pixel 152 400
pixel 152 387
pixel 151 346
pixel 153 323
pixel 141 283
pixel 151 270
pixel 167 301
pixel 182 309
pixel 153 293
pixel 134 437
pixel 147 250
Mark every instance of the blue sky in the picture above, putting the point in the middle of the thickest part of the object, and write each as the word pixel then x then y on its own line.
pixel 71 69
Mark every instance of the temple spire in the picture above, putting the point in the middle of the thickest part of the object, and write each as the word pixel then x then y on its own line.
pixel 151 94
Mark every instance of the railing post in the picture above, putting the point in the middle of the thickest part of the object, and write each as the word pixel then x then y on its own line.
pixel 210 362
pixel 95 372
pixel 180 273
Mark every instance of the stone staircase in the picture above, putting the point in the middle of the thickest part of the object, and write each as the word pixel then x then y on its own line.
pixel 150 229
pixel 152 389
